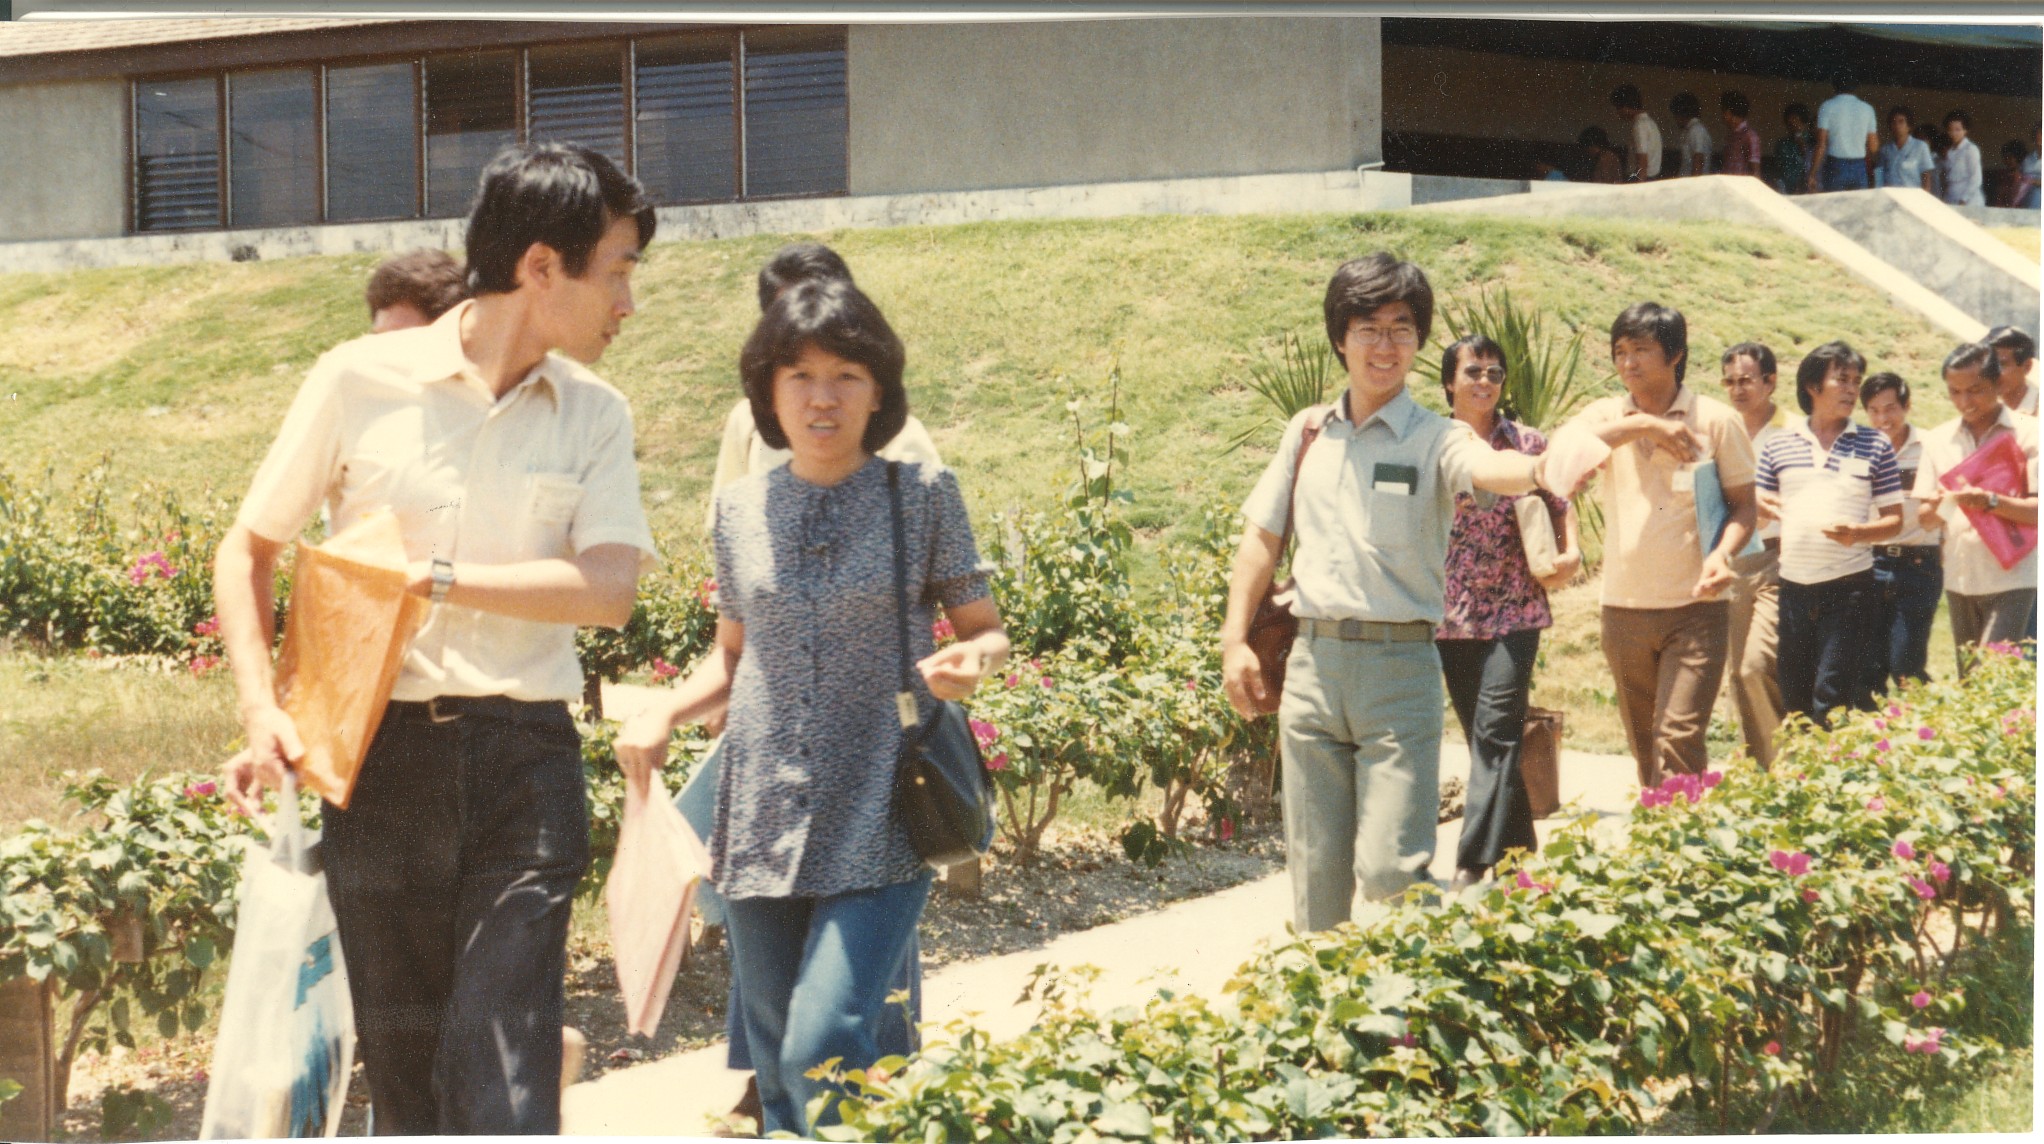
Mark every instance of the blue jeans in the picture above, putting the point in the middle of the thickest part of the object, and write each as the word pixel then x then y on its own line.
pixel 1907 584
pixel 1845 174
pixel 815 975
pixel 898 1033
pixel 1825 630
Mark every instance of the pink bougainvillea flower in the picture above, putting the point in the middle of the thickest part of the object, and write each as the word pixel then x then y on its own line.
pixel 942 629
pixel 1192 685
pixel 201 664
pixel 201 790
pixel 2000 791
pixel 663 670
pixel 1923 889
pixel 1227 829
pixel 984 732
pixel 1921 1000
pixel 1939 872
pixel 1013 680
pixel 1881 746
pixel 1712 778
pixel 1928 1044
pixel 1809 895
pixel 998 762
pixel 1799 864
pixel 1894 712
pixel 1880 724
pixel 1525 881
pixel 1771 1048
pixel 1876 805
pixel 210 626
pixel 1903 850
pixel 1778 859
pixel 1046 681
pixel 1926 733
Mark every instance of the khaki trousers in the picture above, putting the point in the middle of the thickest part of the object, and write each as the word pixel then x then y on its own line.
pixel 1979 620
pixel 1754 636
pixel 1666 664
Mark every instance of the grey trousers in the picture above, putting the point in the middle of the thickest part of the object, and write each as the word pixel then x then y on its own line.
pixel 2003 617
pixel 1754 637
pixel 1360 730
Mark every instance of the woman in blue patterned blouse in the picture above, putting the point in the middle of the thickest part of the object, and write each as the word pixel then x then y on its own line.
pixel 822 887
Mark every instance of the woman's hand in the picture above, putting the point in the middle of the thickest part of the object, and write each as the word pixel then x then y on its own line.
pixel 1566 566
pixel 641 745
pixel 955 671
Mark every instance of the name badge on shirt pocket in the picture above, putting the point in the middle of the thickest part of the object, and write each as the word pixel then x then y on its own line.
pixel 553 498
pixel 1390 478
pixel 1684 480
pixel 1858 468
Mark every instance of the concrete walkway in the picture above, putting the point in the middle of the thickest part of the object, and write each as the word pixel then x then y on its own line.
pixel 1191 947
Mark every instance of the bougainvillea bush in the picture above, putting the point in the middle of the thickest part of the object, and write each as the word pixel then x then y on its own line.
pixel 1723 947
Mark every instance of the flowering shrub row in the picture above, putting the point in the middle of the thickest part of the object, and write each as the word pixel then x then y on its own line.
pixel 1736 934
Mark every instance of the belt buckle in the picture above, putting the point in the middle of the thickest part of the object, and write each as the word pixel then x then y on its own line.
pixel 433 712
pixel 1351 629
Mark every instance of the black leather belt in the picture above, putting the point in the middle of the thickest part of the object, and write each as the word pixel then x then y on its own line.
pixel 448 708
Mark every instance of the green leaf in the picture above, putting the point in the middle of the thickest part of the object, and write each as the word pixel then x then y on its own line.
pixel 1125 1119
pixel 199 951
pixel 166 1023
pixel 1775 966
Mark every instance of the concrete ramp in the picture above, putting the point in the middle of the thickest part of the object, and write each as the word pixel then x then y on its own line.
pixel 1912 231
pixel 1749 202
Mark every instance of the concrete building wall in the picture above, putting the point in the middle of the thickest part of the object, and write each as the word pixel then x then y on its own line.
pixel 61 154
pixel 1449 91
pixel 942 107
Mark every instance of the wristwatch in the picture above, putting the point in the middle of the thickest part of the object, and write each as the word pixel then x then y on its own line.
pixel 443 579
pixel 1993 501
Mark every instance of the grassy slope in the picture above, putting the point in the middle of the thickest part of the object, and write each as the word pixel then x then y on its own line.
pixel 183 373
pixel 2023 238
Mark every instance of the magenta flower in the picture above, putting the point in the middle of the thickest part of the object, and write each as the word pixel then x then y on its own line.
pixel 1881 746
pixel 1192 685
pixel 1525 881
pixel 201 790
pixel 941 630
pixel 1921 1000
pixel 1046 681
pixel 209 626
pixel 1227 829
pixel 663 670
pixel 1880 724
pixel 1903 850
pixel 1771 1048
pixel 1927 1044
pixel 201 664
pixel 1809 895
pixel 984 732
pixel 1939 872
pixel 1013 680
pixel 1894 712
pixel 1926 734
pixel 1876 805
pixel 1795 864
pixel 998 762
pixel 1923 889
pixel 1712 778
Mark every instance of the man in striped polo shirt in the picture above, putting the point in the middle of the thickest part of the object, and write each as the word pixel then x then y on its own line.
pixel 1823 479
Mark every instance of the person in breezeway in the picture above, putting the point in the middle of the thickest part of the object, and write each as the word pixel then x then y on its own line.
pixel 1988 603
pixel 1664 627
pixel 453 870
pixel 1848 140
pixel 1752 639
pixel 1909 569
pixel 1359 721
pixel 1822 479
pixel 1696 143
pixel 1644 156
pixel 1961 167
pixel 1906 161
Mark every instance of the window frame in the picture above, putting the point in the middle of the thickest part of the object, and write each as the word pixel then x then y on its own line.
pixel 628 49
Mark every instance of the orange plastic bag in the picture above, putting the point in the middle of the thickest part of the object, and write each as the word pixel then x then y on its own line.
pixel 345 636
pixel 650 894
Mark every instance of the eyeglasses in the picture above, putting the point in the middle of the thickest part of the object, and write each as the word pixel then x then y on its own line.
pixel 1373 335
pixel 1493 374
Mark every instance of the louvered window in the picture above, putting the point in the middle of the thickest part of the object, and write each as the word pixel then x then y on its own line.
pixel 177 154
pixel 795 113
pixel 471 114
pixel 686 126
pixel 577 95
pixel 372 142
pixel 272 148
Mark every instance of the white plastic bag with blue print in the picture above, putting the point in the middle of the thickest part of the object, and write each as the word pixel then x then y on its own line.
pixel 287 1031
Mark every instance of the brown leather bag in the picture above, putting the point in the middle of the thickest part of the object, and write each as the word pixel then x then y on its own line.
pixel 1540 759
pixel 1272 627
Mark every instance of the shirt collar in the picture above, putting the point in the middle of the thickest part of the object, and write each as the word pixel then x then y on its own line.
pixel 443 359
pixel 1803 428
pixel 1397 414
pixel 1685 401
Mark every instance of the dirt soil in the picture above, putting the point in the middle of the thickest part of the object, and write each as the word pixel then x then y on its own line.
pixel 1081 880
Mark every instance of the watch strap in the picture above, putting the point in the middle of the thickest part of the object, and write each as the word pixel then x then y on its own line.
pixel 443 579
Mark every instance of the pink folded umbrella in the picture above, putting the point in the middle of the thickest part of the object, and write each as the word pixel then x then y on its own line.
pixel 650 893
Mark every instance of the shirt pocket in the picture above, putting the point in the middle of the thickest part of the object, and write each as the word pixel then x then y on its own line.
pixel 549 507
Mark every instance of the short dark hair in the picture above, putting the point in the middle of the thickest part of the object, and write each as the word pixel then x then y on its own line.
pixel 2017 341
pixel 1959 117
pixel 1843 80
pixel 1662 324
pixel 2014 149
pixel 1593 136
pixel 1902 109
pixel 1477 346
pixel 1685 105
pixel 1884 382
pixel 799 262
pixel 561 194
pixel 1625 96
pixel 1798 110
pixel 1362 286
pixel 1758 351
pixel 429 281
pixel 1736 103
pixel 1969 355
pixel 835 316
pixel 1818 364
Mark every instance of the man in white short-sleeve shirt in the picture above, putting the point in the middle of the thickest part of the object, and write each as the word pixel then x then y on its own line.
pixel 1848 141
pixel 509 468
pixel 1643 161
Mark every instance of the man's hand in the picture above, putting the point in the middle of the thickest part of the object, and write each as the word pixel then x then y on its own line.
pixel 1242 680
pixel 1565 568
pixel 641 745
pixel 273 744
pixel 1768 503
pixel 1966 496
pixel 1672 435
pixel 1844 533
pixel 1717 575
pixel 955 671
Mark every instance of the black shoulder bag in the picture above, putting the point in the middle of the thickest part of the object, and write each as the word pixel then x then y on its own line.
pixel 942 791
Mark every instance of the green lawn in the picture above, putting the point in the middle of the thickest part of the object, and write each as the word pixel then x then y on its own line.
pixel 2023 238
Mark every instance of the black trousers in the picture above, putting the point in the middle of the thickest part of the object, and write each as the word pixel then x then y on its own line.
pixel 452 873
pixel 1488 682
pixel 1821 647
